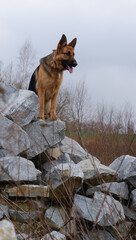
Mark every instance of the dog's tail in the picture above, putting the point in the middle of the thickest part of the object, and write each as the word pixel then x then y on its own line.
pixel 32 84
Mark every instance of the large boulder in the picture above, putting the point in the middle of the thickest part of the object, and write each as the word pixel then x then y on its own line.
pixel 76 152
pixel 44 135
pixel 130 213
pixel 56 217
pixel 21 106
pixel 133 199
pixel 64 179
pixel 95 172
pixel 13 139
pixel 120 190
pixel 103 210
pixel 125 166
pixel 50 164
pixel 7 230
pixel 17 169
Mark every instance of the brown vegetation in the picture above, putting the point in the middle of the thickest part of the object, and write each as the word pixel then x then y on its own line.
pixel 107 147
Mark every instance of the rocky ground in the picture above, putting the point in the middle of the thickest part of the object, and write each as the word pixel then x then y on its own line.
pixel 50 187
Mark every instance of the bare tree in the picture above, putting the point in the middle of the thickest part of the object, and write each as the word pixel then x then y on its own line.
pixel 63 103
pixel 25 63
pixel 73 106
pixel 79 105
pixel 8 74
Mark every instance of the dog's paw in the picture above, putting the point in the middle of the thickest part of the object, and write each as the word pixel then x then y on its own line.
pixel 53 116
pixel 42 117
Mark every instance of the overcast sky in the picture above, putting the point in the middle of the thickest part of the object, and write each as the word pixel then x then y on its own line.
pixel 106 47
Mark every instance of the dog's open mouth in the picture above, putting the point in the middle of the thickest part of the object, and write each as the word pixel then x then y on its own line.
pixel 69 65
pixel 70 69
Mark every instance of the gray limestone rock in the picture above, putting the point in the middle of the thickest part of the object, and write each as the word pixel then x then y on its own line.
pixel 133 199
pixel 118 189
pixel 54 235
pixel 103 210
pixel 126 168
pixel 7 230
pixel 62 177
pixel 13 138
pixel 44 135
pixel 22 107
pixel 76 152
pixel 4 211
pixel 94 171
pixel 130 213
pixel 17 169
pixel 56 217
pixel 49 165
pixel 23 217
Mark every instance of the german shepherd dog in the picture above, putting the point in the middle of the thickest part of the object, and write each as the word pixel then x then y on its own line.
pixel 47 77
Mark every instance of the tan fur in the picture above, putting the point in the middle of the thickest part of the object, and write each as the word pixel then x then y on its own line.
pixel 49 75
pixel 48 89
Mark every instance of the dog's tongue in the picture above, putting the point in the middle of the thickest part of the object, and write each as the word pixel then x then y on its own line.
pixel 70 69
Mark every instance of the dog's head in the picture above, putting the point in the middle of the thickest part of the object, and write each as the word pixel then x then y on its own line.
pixel 64 56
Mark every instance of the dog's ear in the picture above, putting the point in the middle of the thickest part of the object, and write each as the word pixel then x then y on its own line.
pixel 62 42
pixel 73 43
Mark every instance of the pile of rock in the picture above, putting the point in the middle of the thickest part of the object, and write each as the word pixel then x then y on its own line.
pixel 51 188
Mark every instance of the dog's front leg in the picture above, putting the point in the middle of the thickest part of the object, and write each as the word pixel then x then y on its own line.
pixel 53 115
pixel 41 94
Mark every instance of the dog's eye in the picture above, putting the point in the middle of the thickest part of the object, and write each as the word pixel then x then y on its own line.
pixel 68 53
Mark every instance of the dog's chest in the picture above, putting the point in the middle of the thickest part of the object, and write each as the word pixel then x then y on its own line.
pixel 52 87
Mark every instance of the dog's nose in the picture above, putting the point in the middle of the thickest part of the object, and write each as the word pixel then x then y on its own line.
pixel 74 64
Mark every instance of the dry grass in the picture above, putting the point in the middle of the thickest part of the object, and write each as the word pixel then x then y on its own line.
pixel 107 147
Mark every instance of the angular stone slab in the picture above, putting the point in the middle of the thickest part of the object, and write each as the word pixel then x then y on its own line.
pixel 23 217
pixel 4 211
pixel 17 169
pixel 98 210
pixel 22 107
pixel 130 213
pixel 32 191
pixel 76 152
pixel 118 189
pixel 64 178
pixel 126 168
pixel 44 135
pixel 13 138
pixel 56 217
pixel 95 171
pixel 133 199
pixel 50 164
